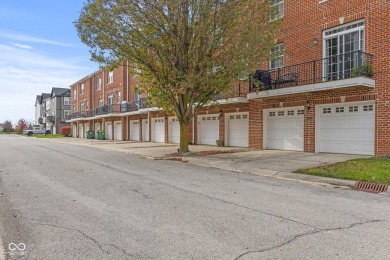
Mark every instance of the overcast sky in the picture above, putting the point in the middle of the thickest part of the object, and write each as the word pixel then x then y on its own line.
pixel 39 49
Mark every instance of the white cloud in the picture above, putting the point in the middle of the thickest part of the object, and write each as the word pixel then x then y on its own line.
pixel 23 46
pixel 26 73
pixel 27 38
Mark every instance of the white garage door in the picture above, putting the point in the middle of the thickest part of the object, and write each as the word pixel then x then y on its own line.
pixel 74 133
pixel 86 128
pixel 108 131
pixel 174 130
pixel 145 130
pixel 81 131
pixel 237 130
pixel 208 129
pixel 134 130
pixel 118 130
pixel 346 128
pixel 97 129
pixel 284 129
pixel 158 130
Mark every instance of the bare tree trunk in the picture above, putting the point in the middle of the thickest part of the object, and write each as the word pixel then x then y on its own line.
pixel 183 138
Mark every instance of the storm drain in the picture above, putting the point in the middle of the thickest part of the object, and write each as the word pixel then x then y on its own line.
pixel 371 187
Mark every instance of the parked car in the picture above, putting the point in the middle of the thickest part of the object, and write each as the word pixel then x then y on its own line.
pixel 37 129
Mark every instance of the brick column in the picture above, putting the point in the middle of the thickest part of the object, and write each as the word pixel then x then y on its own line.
pixel 255 124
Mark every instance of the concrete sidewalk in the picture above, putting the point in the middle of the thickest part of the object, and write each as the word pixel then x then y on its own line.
pixel 269 163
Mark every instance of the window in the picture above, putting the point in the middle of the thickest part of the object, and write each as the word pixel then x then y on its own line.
pixel 86 105
pixel 119 97
pixel 82 89
pixel 290 113
pixel 231 117
pixel 74 94
pixel 277 9
pixel 110 77
pixel 354 109
pixel 110 99
pixel 66 101
pixel 276 56
pixel 271 113
pixel 327 110
pixel 101 103
pixel 238 116
pixel 339 109
pixel 82 107
pixel 66 113
pixel 245 117
pixel 342 45
pixel 99 84
pixel 137 71
pixel 368 108
pixel 281 113
pixel 300 112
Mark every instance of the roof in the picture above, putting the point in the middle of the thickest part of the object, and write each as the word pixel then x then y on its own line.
pixel 44 96
pixel 39 99
pixel 60 92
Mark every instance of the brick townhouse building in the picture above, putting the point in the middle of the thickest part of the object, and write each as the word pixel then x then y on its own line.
pixel 325 89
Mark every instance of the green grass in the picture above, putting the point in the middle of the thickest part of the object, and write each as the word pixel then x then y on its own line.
pixel 369 170
pixel 48 136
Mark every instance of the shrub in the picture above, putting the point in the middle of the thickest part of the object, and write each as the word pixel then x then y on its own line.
pixel 65 131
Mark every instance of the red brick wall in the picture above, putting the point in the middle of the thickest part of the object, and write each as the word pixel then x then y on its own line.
pixel 304 21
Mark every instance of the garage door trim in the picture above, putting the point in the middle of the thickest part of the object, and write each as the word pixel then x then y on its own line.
pixel 227 119
pixel 265 120
pixel 318 114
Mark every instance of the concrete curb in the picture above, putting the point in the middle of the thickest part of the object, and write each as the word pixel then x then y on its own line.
pixel 309 179
pixel 2 252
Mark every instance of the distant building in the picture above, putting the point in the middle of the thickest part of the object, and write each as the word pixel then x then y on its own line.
pixel 40 108
pixel 57 107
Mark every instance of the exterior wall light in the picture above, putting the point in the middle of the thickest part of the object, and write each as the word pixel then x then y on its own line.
pixel 308 105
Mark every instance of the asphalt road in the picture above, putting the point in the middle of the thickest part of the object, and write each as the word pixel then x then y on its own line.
pixel 70 202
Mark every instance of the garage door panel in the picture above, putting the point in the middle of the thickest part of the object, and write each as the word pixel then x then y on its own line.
pixel 238 130
pixel 158 130
pixel 208 129
pixel 134 130
pixel 174 130
pixel 118 130
pixel 285 129
pixel 353 132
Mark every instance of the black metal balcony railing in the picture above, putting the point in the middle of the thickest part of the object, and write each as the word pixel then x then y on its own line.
pixel 336 67
pixel 110 109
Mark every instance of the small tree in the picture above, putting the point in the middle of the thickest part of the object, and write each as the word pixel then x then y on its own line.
pixel 7 126
pixel 22 124
pixel 186 52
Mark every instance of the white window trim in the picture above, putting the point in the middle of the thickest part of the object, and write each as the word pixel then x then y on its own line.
pixel 110 78
pixel 99 84
pixel 279 15
pixel 67 101
pixel 326 37
pixel 281 56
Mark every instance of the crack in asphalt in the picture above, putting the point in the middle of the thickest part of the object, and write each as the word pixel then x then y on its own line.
pixel 313 232
pixel 99 245
pixel 179 188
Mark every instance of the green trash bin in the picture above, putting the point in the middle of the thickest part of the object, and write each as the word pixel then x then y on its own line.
pixel 101 135
pixel 90 135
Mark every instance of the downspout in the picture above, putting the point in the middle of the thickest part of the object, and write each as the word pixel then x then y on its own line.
pixel 128 99
pixel 150 128
pixel 93 102
pixel 193 125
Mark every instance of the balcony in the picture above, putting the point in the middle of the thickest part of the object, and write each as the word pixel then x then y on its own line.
pixel 113 109
pixel 351 69
pixel 237 94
